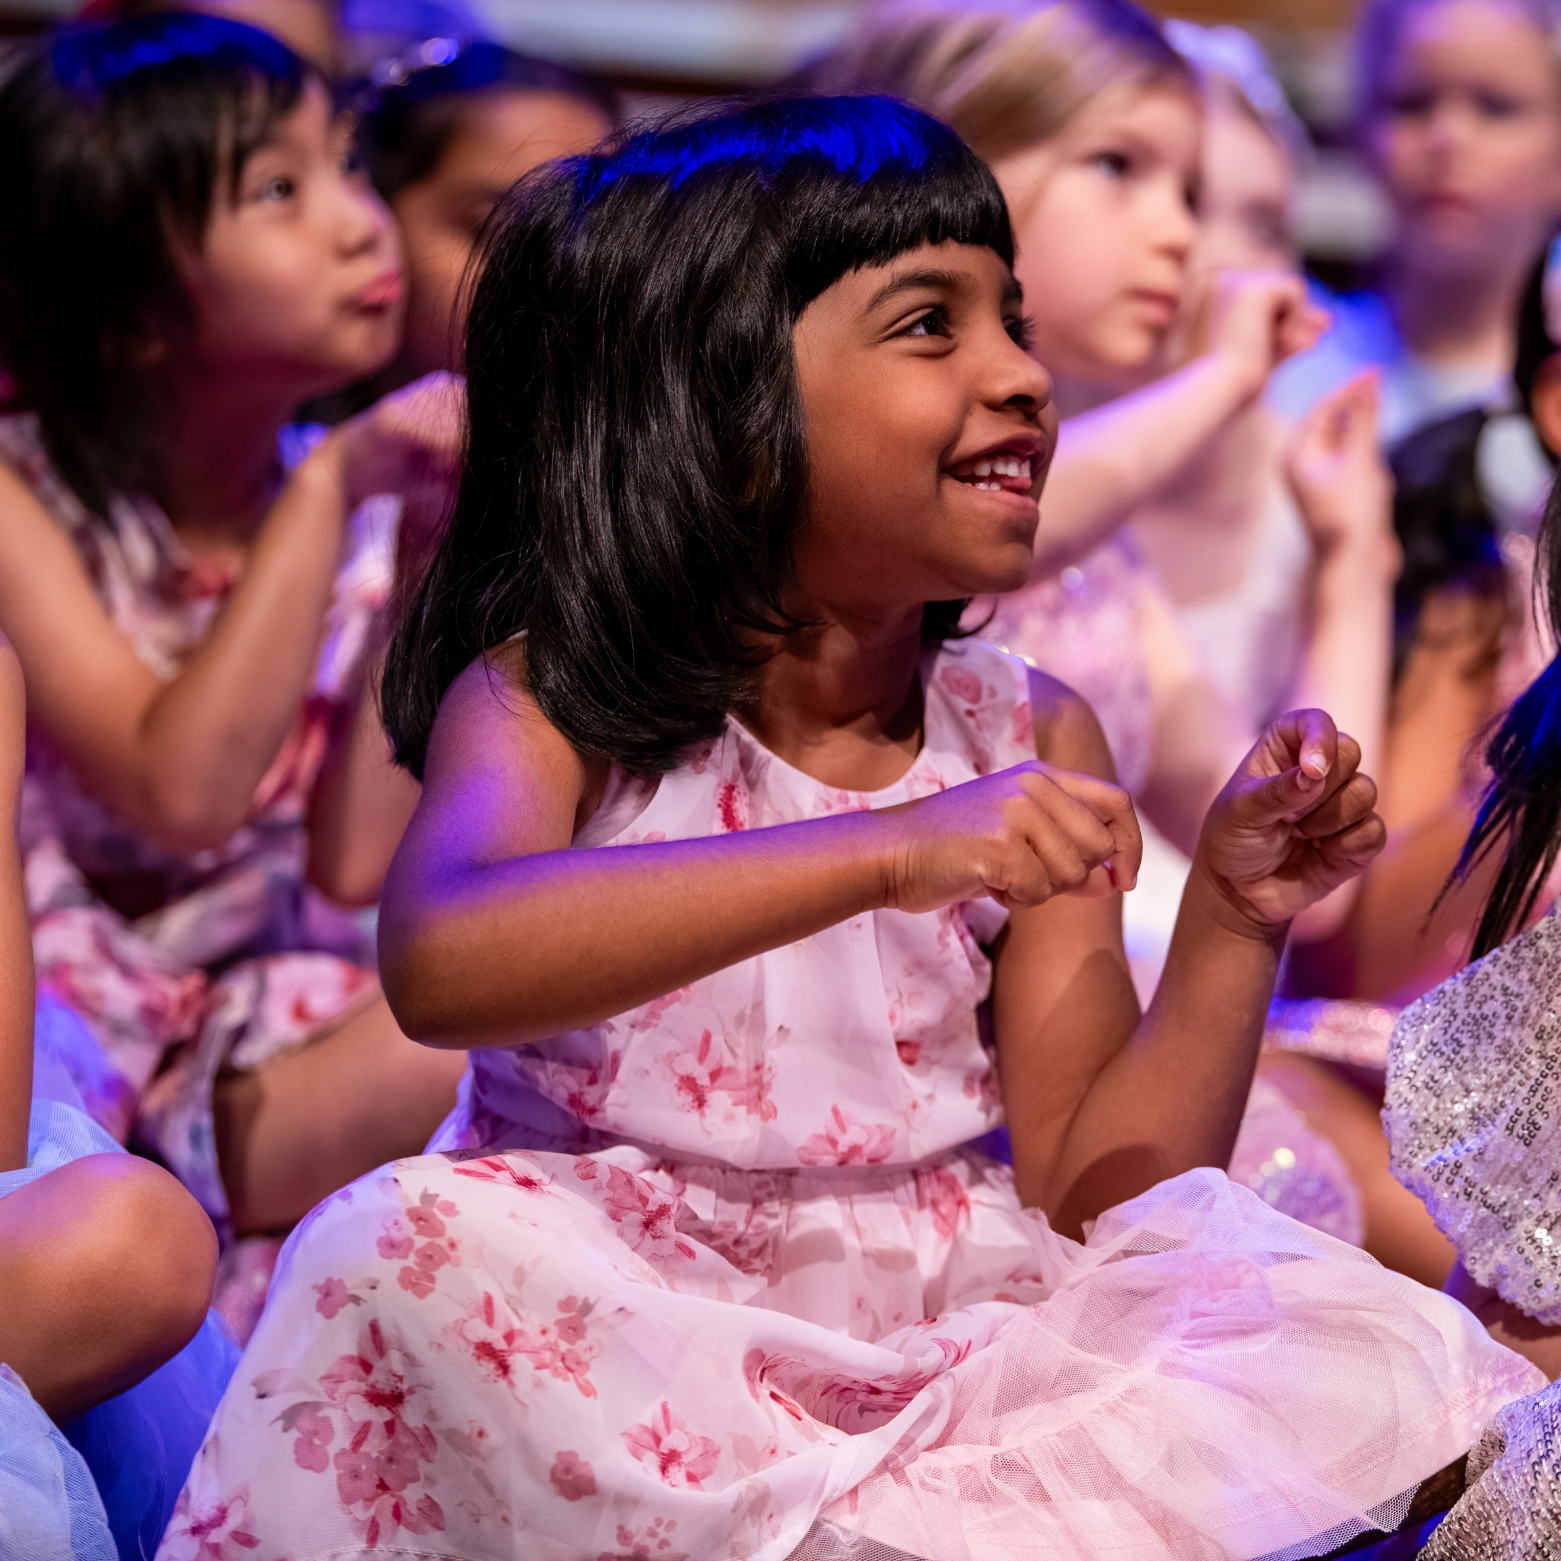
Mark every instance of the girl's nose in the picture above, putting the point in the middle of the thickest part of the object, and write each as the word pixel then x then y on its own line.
pixel 1176 227
pixel 1023 381
pixel 364 222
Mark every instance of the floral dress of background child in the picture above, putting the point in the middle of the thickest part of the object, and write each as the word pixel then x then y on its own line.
pixel 182 963
pixel 726 1276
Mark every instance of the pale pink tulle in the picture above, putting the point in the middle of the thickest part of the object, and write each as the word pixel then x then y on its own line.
pixel 1208 1380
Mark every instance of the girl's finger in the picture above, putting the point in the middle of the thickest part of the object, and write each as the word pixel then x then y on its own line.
pixel 1113 807
pixel 1352 849
pixel 1353 801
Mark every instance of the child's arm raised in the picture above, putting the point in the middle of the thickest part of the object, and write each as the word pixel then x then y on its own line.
pixel 1103 1103
pixel 181 759
pixel 493 932
pixel 1118 456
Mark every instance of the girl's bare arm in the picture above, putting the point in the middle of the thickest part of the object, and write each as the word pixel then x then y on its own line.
pixel 361 803
pixel 1114 458
pixel 181 759
pixel 1103 1102
pixel 16 949
pixel 493 931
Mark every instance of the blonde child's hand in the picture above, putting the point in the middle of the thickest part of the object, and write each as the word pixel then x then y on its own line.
pixel 1020 836
pixel 1341 483
pixel 1257 319
pixel 1295 821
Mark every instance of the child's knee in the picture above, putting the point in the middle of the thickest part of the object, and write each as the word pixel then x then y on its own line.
pixel 148 1240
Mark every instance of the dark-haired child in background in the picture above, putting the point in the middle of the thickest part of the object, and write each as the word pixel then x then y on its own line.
pixel 443 139
pixel 1465 645
pixel 190 594
pixel 1473 1105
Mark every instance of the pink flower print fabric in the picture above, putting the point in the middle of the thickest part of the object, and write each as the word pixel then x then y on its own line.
pixel 721 1277
pixel 918 1365
pixel 181 963
pixel 793 1058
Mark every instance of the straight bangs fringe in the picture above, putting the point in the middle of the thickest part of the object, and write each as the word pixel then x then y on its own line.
pixel 115 140
pixel 636 469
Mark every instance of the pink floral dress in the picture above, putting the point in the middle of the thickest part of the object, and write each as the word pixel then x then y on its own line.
pixel 725 1277
pixel 182 963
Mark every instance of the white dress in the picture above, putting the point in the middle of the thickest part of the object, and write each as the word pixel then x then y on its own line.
pixel 724 1277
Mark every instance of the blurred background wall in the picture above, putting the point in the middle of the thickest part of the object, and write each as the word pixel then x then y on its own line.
pixel 659 52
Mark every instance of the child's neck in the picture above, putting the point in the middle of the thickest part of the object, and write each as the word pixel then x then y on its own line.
pixel 841 702
pixel 1455 319
pixel 221 467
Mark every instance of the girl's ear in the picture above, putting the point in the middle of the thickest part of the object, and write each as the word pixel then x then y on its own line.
pixel 1545 400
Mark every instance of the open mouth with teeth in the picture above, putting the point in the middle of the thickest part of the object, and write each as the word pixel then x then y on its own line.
pixel 996 473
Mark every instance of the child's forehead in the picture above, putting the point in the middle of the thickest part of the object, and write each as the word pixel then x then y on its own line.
pixel 949 266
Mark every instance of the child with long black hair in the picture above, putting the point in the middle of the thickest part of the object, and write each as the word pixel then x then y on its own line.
pixel 1472 1091
pixel 725 839
pixel 189 250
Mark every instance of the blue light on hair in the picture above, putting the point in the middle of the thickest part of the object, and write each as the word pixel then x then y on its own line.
pixel 884 138
pixel 91 57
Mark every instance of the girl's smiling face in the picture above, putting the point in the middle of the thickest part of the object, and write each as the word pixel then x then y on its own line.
pixel 1104 218
pixel 297 284
pixel 1467 133
pixel 929 429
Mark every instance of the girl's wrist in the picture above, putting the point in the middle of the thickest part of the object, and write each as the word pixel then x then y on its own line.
pixel 1211 899
pixel 1357 560
pixel 1238 378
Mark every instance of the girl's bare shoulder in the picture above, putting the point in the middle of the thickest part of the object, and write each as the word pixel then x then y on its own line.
pixel 1067 733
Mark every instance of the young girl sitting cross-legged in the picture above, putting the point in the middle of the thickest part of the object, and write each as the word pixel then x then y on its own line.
pixel 726 839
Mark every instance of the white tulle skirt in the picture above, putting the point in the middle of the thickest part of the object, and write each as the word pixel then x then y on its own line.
pixel 615 1358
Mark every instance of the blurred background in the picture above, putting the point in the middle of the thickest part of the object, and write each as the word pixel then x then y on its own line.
pixel 659 52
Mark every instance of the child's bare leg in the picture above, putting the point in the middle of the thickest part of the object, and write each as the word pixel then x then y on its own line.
pixel 1506 1324
pixel 106 1267
pixel 290 1133
pixel 1399 1232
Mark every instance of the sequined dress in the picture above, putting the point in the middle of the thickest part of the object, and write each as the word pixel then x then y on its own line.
pixel 1473 1115
pixel 725 1276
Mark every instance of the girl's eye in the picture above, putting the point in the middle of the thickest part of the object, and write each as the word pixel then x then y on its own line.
pixel 1412 105
pixel 1115 165
pixel 935 322
pixel 1492 105
pixel 1021 328
pixel 280 188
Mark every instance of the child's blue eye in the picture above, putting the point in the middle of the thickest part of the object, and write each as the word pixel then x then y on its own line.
pixel 1113 164
pixel 278 189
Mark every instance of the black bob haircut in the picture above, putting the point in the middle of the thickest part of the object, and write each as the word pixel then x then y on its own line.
pixel 636 469
pixel 406 123
pixel 114 138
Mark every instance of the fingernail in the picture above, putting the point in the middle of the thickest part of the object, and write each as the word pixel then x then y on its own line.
pixel 1314 764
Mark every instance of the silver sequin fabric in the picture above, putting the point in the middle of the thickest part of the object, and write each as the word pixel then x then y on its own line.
pixel 1473 1116
pixel 1512 1509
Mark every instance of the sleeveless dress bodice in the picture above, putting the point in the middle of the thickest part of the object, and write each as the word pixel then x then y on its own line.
pixel 859 1045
